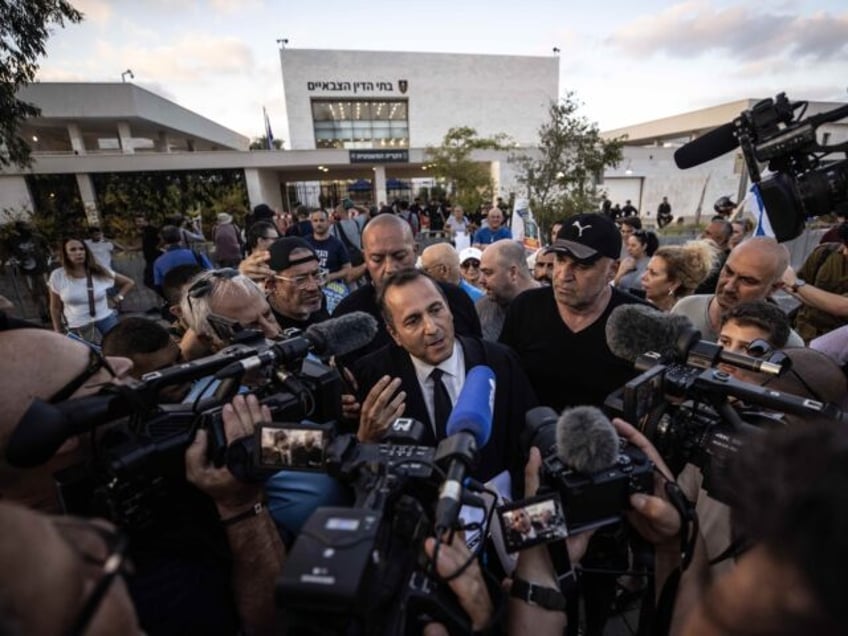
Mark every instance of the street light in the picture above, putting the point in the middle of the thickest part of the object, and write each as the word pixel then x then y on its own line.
pixel 282 42
pixel 125 73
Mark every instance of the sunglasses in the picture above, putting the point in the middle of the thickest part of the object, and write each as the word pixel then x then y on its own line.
pixel 471 263
pixel 96 361
pixel 205 285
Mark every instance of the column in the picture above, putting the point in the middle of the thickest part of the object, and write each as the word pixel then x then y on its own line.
pixel 89 202
pixel 77 142
pixel 263 186
pixel 15 199
pixel 380 194
pixel 495 174
pixel 125 136
pixel 164 143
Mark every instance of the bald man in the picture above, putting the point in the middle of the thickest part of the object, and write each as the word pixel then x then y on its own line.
pixel 388 246
pixel 441 261
pixel 752 272
pixel 503 275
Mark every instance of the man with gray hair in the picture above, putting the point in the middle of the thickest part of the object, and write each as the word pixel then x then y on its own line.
pixel 751 272
pixel 216 304
pixel 441 261
pixel 503 275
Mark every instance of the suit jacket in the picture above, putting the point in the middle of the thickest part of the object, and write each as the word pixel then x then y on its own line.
pixel 513 398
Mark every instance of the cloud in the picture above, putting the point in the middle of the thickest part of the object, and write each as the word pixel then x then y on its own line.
pixel 97 11
pixel 231 6
pixel 192 58
pixel 694 28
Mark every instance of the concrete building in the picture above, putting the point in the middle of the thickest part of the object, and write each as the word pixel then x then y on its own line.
pixel 363 117
pixel 648 172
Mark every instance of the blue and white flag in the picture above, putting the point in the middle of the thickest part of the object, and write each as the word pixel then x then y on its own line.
pixel 523 225
pixel 763 223
pixel 269 136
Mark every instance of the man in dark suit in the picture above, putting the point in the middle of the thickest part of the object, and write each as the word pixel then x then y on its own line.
pixel 401 378
pixel 388 246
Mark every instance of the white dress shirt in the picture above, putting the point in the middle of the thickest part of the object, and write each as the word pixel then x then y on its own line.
pixel 453 377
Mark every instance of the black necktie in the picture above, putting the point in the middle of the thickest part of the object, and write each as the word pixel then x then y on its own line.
pixel 442 405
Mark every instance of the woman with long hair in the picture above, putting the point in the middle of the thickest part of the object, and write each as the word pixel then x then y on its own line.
pixel 640 246
pixel 675 271
pixel 79 302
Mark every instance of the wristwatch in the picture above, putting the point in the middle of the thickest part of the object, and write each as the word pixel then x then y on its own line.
pixel 799 282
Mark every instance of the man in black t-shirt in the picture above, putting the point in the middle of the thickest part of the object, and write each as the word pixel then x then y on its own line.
pixel 558 331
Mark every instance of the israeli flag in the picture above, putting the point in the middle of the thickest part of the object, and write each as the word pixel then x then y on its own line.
pixel 763 224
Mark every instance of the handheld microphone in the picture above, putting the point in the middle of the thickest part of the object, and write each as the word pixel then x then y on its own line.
pixel 468 428
pixel 707 147
pixel 586 440
pixel 336 336
pixel 632 330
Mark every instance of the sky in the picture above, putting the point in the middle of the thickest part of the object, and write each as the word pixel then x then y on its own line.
pixel 627 62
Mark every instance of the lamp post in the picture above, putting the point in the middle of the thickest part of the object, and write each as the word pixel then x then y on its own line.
pixel 125 73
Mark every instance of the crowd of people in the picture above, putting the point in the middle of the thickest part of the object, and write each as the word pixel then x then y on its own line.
pixel 769 558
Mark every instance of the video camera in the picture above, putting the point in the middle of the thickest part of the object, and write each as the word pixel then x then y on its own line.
pixel 584 460
pixel 806 181
pixel 139 442
pixel 681 403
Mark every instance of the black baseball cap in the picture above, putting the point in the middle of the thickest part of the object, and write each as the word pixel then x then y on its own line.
pixel 281 250
pixel 586 237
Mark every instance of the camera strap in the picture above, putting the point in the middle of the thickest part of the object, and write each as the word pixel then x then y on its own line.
pixel 563 570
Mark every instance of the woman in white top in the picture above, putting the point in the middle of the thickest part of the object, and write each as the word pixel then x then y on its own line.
pixel 78 293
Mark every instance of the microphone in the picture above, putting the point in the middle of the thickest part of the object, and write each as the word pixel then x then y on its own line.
pixel 632 330
pixel 469 428
pixel 586 440
pixel 707 147
pixel 336 336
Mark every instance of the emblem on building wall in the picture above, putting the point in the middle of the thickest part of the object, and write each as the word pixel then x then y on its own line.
pixel 402 86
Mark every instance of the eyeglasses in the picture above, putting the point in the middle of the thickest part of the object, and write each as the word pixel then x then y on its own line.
pixel 471 263
pixel 78 533
pixel 96 361
pixel 205 285
pixel 302 281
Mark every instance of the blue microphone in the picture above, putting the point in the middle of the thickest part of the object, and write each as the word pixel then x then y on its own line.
pixel 469 428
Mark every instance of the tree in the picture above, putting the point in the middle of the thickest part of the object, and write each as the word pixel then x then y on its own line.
pixel 24 29
pixel 261 143
pixel 562 178
pixel 469 182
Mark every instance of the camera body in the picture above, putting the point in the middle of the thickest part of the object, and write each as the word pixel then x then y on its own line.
pixel 805 181
pixel 139 464
pixel 590 500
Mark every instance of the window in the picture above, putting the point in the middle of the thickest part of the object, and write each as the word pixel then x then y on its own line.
pixel 366 123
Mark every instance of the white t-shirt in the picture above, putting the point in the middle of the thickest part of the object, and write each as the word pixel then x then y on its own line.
pixel 457 226
pixel 102 252
pixel 74 295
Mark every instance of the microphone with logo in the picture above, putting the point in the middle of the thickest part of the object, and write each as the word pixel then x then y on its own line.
pixel 468 430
